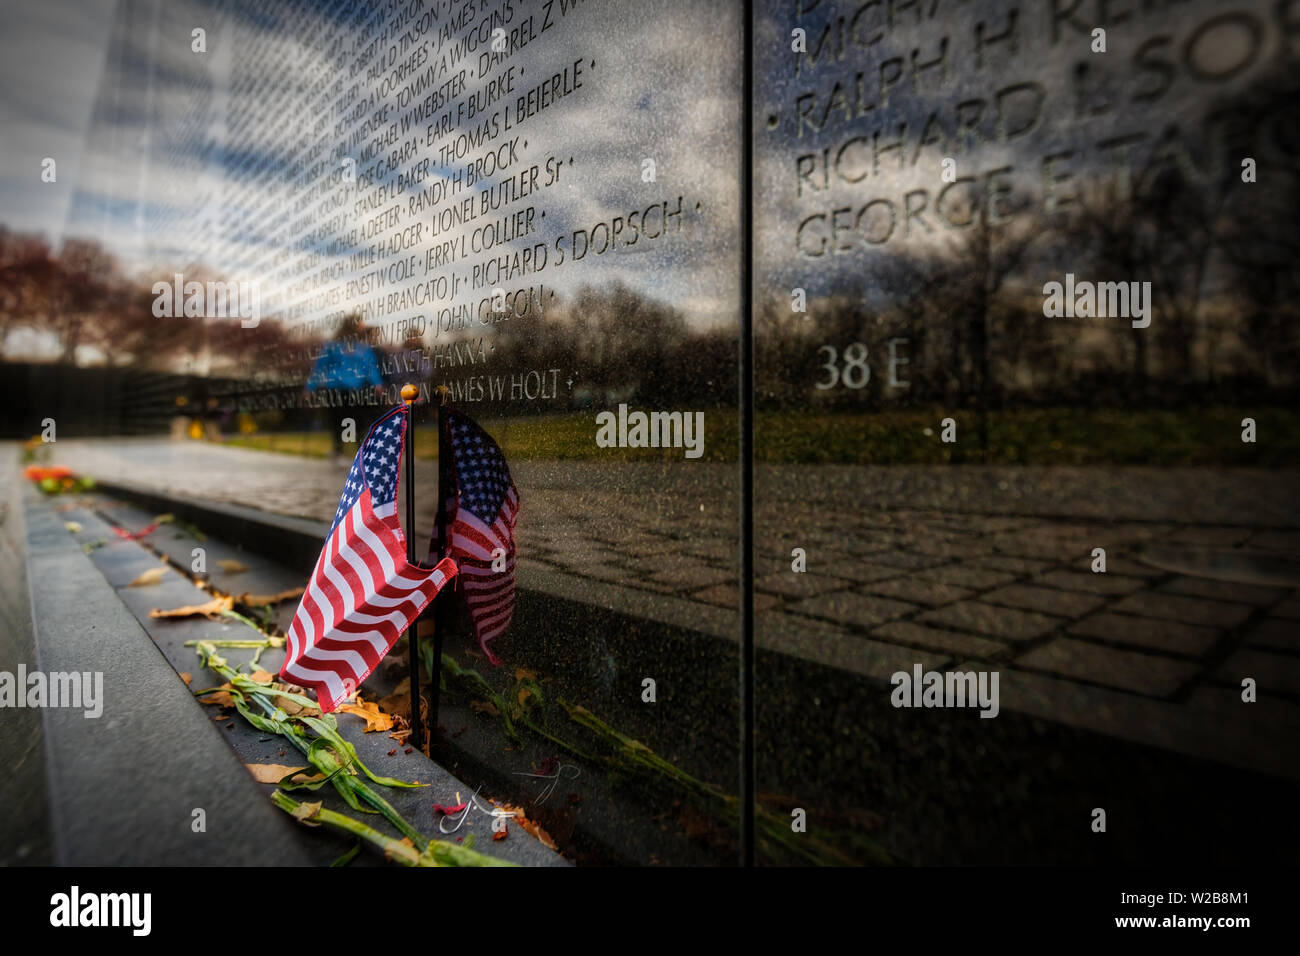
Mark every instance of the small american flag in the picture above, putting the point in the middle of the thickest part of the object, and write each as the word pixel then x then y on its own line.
pixel 481 504
pixel 363 593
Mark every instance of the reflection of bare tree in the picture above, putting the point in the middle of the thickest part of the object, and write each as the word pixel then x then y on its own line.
pixel 80 298
pixel 85 288
pixel 638 336
pixel 974 283
pixel 1220 254
pixel 618 341
pixel 1159 230
pixel 1259 240
pixel 28 273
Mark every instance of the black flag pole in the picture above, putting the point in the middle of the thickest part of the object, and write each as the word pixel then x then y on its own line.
pixel 409 395
pixel 440 552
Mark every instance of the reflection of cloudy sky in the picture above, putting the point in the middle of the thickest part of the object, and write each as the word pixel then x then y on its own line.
pixel 172 129
pixel 1038 60
pixel 664 87
pixel 51 59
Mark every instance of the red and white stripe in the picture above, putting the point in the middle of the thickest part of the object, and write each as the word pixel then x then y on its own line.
pixel 359 600
pixel 489 594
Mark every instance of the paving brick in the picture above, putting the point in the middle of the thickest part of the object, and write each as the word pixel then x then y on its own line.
pixel 1276 632
pixel 1128 670
pixel 961 645
pixel 1047 600
pixel 585 562
pixel 792 584
pixel 1091 583
pixel 606 572
pixel 967 576
pixel 765 564
pixel 870 541
pixel 1264 745
pixel 908 588
pixel 686 574
pixel 906 560
pixel 1154 633
pixel 721 548
pixel 834 647
pixel 575 545
pixel 1000 622
pixel 728 595
pixel 1273 673
pixel 1255 594
pixel 1119 564
pixel 952 548
pixel 1003 562
pixel 862 573
pixel 828 561
pixel 1189 610
pixel 651 564
pixel 1049 550
pixel 849 607
pixel 644 548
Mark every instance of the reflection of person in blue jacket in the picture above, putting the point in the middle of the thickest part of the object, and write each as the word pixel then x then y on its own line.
pixel 347 363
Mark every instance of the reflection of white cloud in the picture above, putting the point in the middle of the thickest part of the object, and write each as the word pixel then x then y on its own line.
pixel 658 89
pixel 51 57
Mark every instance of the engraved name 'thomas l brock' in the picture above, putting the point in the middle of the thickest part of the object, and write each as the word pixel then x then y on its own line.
pixel 653 430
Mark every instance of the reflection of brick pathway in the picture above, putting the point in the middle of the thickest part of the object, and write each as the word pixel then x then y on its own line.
pixel 945 566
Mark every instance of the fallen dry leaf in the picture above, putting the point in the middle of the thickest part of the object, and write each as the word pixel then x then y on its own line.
pixel 257 600
pixel 261 677
pixel 399 701
pixel 213 609
pixel 522 672
pixel 220 697
pixel 305 812
pixel 369 712
pixel 531 826
pixel 187 677
pixel 389 854
pixel 231 566
pixel 501 834
pixel 270 772
pixel 152 576
pixel 293 708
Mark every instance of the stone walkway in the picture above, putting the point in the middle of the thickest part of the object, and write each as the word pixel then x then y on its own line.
pixel 945 566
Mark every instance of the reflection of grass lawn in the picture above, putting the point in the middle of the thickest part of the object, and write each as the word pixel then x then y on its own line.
pixel 1048 436
pixel 1051 436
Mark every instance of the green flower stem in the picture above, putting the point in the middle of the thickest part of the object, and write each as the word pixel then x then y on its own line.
pixel 394 850
pixel 334 757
